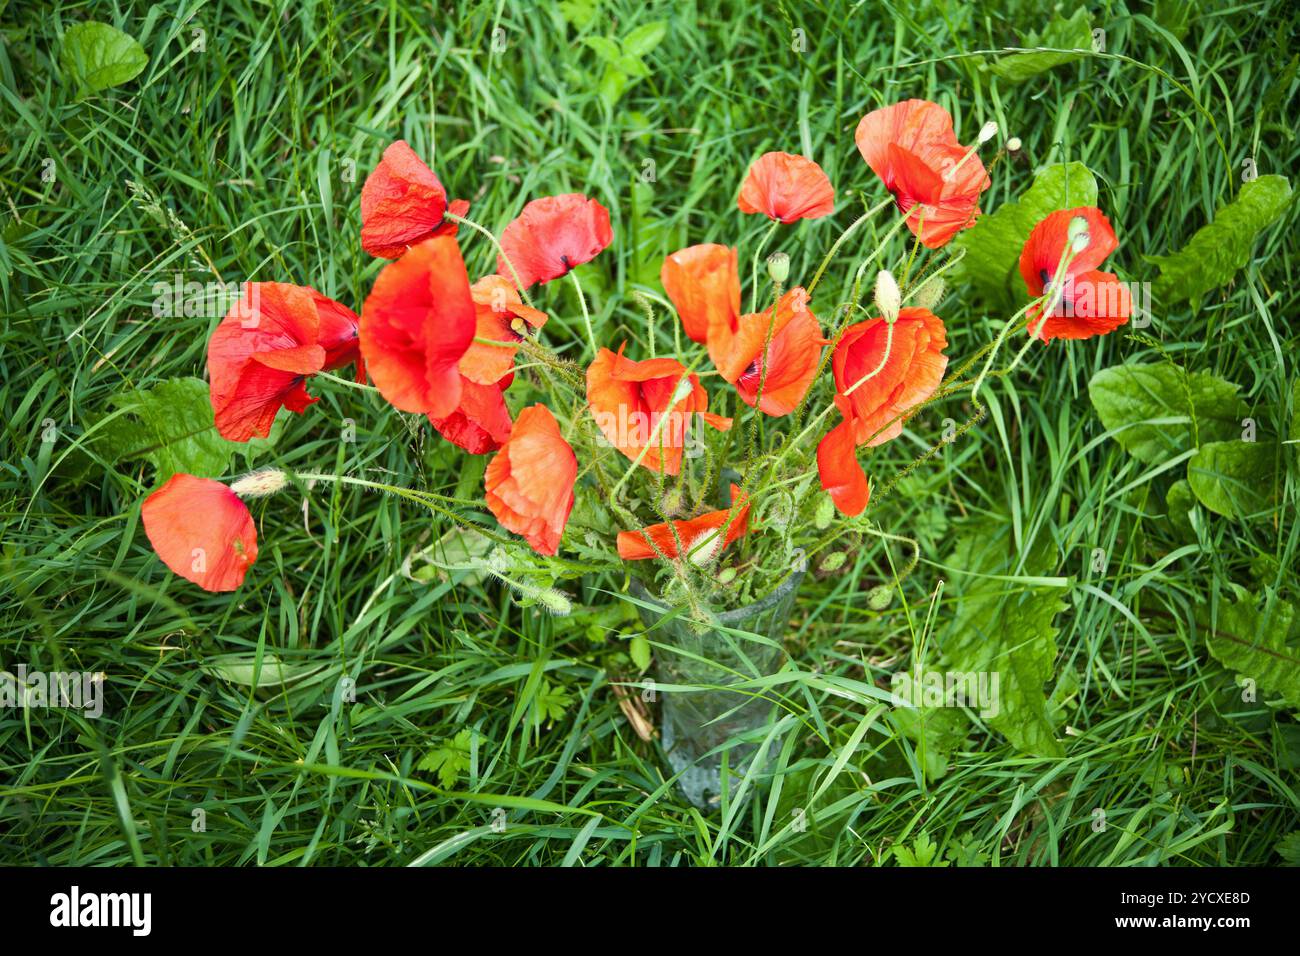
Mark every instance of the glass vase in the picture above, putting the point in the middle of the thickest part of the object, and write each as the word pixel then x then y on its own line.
pixel 701 725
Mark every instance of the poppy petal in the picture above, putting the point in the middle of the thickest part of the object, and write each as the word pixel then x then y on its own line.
pixel 700 538
pixel 529 482
pixel 786 187
pixel 417 323
pixel 841 475
pixel 552 235
pixel 481 422
pixel 792 359
pixel 258 354
pixel 202 531
pixel 703 284
pixel 402 204
pixel 497 309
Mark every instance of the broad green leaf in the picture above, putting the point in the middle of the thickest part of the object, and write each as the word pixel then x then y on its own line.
pixel 1254 637
pixel 1220 249
pixel 1179 502
pixel 645 38
pixel 1157 412
pixel 606 48
pixel 639 648
pixel 1006 626
pixel 992 246
pixel 170 425
pixel 1234 478
pixel 935 733
pixel 96 56
pixel 1059 34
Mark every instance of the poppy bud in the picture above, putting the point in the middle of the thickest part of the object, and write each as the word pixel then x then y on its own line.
pixel 726 575
pixel 685 389
pixel 834 561
pixel 825 512
pixel 1013 144
pixel 988 132
pixel 888 299
pixel 702 553
pixel 778 266
pixel 260 483
pixel 928 296
pixel 879 597
pixel 1078 234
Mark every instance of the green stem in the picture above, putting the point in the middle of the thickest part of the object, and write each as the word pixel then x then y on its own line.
pixel 514 274
pixel 586 316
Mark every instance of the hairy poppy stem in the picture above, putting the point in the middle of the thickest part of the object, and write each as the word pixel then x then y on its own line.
pixel 586 316
pixel 817 277
pixel 753 271
pixel 348 382
pixel 1052 297
pixel 514 274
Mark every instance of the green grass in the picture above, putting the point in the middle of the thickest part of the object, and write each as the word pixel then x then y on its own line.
pixel 245 148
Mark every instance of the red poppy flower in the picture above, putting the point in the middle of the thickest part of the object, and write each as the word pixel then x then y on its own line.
pixel 629 399
pixel 911 146
pixel 416 324
pixel 786 187
pixel 260 355
pixel 202 531
pixel 553 235
pixel 403 203
pixel 529 482
pixel 703 283
pixel 792 357
pixel 1091 302
pixel 481 422
pixel 501 316
pixel 910 375
pixel 339 335
pixel 837 464
pixel 701 538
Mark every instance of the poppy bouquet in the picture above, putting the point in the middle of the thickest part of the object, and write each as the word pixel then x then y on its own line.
pixel 715 460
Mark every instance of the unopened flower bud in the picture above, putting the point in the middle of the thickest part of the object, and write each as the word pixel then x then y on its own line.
pixel 1078 234
pixel 683 391
pixel 1013 144
pixel 931 291
pixel 988 132
pixel 726 575
pixel 778 266
pixel 260 483
pixel 834 561
pixel 825 512
pixel 879 597
pixel 888 298
pixel 554 601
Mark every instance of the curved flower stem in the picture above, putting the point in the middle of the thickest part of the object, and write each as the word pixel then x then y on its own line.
pixel 753 270
pixel 817 277
pixel 586 316
pixel 514 274
pixel 346 381
pixel 889 347
pixel 1049 300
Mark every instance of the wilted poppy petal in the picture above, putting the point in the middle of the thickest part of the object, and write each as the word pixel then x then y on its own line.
pixel 403 203
pixel 481 422
pixel 701 538
pixel 553 235
pixel 416 324
pixel 786 187
pixel 202 531
pixel 529 482
pixel 911 373
pixel 839 471
pixel 500 315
